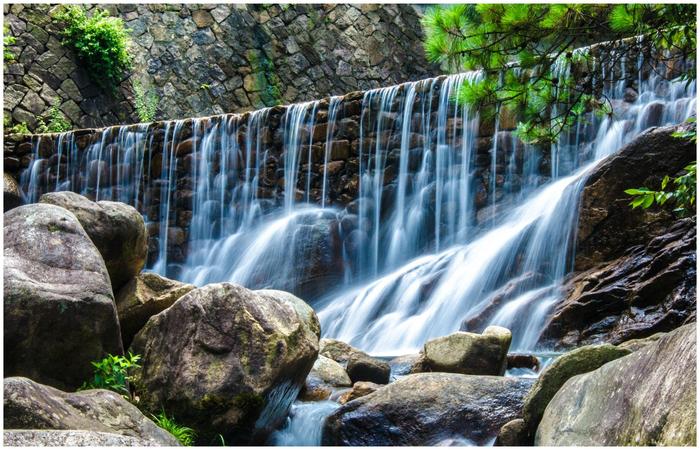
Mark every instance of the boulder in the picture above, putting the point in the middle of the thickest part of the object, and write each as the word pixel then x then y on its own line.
pixel 359 389
pixel 336 350
pixel 117 229
pixel 325 375
pixel 469 353
pixel 32 406
pixel 403 365
pixel 646 398
pixel 365 368
pixel 648 290
pixel 552 378
pixel 144 296
pixel 607 225
pixel 514 434
pixel 72 438
pixel 520 361
pixel 59 311
pixel 427 408
pixel 637 344
pixel 227 360
pixel 12 194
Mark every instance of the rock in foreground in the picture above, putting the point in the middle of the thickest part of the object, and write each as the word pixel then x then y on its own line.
pixel 325 375
pixel 33 406
pixel 227 360
pixel 59 311
pixel 645 398
pixel 72 438
pixel 428 408
pixel 117 230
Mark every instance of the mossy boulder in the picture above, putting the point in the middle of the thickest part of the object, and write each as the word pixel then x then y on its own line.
pixel 116 229
pixel 643 399
pixel 575 362
pixel 59 312
pixel 227 360
pixel 468 353
pixel 144 296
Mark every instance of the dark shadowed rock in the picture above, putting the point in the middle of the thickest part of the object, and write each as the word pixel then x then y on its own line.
pixel 34 406
pixel 144 296
pixel 12 195
pixel 519 361
pixel 365 368
pixel 650 289
pixel 72 438
pixel 427 408
pixel 59 312
pixel 227 360
pixel 117 230
pixel 645 398
pixel 514 434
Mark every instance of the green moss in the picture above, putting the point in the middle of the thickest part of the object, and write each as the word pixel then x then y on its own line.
pixel 266 80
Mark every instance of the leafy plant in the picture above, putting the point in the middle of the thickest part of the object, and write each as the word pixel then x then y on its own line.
pixel 57 122
pixel 18 128
pixel 184 435
pixel 100 42
pixel 114 373
pixel 7 40
pixel 145 100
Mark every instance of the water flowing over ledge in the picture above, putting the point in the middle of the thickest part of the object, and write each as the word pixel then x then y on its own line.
pixel 399 214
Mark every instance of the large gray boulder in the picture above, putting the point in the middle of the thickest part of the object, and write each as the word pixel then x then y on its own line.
pixel 144 296
pixel 469 353
pixel 645 398
pixel 117 229
pixel 427 408
pixel 59 312
pixel 575 362
pixel 32 406
pixel 227 360
pixel 72 438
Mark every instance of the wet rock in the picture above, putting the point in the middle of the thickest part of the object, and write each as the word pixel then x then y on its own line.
pixel 336 350
pixel 403 365
pixel 325 375
pixel 365 368
pixel 427 408
pixel 117 229
pixel 144 296
pixel 469 353
pixel 72 438
pixel 59 311
pixel 30 405
pixel 645 398
pixel 637 344
pixel 12 195
pixel 227 360
pixel 518 361
pixel 650 289
pixel 359 389
pixel 575 362
pixel 514 434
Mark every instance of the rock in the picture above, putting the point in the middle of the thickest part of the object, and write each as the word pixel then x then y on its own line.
pixel 12 194
pixel 607 224
pixel 650 289
pixel 227 360
pixel 72 438
pixel 646 398
pixel 469 353
pixel 59 311
pixel 202 18
pixel 552 378
pixel 359 389
pixel 365 368
pixel 406 364
pixel 117 230
pixel 427 408
pixel 144 296
pixel 325 375
pixel 514 434
pixel 637 344
pixel 338 351
pixel 518 361
pixel 34 406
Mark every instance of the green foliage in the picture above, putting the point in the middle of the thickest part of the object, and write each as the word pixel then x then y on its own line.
pixel 100 42
pixel 682 197
pixel 7 40
pixel 145 101
pixel 18 128
pixel 266 80
pixel 184 435
pixel 114 373
pixel 535 44
pixel 57 122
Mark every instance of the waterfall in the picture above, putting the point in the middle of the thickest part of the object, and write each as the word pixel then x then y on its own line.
pixel 431 224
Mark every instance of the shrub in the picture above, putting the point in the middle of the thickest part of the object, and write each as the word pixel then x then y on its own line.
pixel 7 40
pixel 184 435
pixel 18 128
pixel 145 100
pixel 100 42
pixel 57 122
pixel 114 373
